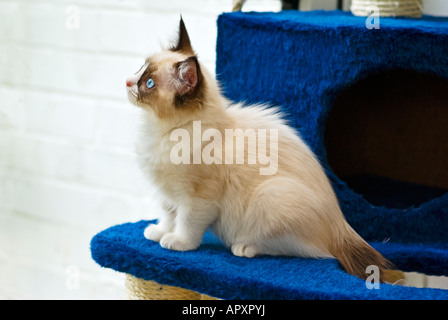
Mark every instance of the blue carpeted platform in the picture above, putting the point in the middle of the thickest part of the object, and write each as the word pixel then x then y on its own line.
pixel 212 269
pixel 301 61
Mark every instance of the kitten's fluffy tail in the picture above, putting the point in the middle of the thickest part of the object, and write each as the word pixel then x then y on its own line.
pixel 356 255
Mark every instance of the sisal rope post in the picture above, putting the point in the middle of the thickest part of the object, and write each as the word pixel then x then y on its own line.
pixel 139 289
pixel 388 8
pixel 238 5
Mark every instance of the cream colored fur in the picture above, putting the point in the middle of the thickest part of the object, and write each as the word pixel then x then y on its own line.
pixel 292 212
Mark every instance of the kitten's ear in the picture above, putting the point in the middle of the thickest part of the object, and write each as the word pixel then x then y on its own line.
pixel 189 76
pixel 183 40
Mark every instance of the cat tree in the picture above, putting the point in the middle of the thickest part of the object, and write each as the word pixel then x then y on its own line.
pixel 373 105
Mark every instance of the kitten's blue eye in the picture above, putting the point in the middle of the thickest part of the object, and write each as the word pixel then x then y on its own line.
pixel 150 83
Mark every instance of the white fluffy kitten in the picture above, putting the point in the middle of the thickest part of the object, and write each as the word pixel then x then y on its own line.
pixel 292 211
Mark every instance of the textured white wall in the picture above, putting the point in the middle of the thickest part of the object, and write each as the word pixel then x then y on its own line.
pixel 67 167
pixel 435 7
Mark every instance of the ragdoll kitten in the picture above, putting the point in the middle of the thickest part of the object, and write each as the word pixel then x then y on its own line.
pixel 291 210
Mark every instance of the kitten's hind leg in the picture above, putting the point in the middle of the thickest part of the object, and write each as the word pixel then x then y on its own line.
pixel 245 250
pixel 282 219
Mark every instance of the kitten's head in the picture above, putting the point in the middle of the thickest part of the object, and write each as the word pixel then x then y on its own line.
pixel 171 81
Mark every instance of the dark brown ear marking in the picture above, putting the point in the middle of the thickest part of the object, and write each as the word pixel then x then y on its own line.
pixel 188 75
pixel 191 81
pixel 183 41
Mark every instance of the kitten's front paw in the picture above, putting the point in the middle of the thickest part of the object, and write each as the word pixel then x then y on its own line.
pixel 154 232
pixel 173 242
pixel 244 250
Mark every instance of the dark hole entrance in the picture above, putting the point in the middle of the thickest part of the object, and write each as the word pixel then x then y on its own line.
pixel 387 138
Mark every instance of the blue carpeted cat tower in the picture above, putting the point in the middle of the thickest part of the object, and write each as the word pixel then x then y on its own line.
pixel 373 105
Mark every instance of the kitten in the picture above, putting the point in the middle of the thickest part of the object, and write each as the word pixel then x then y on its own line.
pixel 292 211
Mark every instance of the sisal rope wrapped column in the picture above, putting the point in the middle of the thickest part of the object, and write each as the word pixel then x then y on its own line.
pixel 388 8
pixel 139 289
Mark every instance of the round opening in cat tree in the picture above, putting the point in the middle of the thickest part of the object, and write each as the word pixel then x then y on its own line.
pixel 387 138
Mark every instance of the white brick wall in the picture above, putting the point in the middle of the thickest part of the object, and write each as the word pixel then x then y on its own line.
pixel 67 167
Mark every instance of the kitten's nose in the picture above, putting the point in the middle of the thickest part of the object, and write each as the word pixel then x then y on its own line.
pixel 128 83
